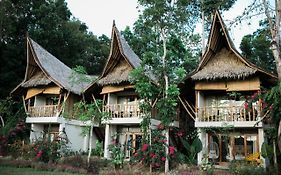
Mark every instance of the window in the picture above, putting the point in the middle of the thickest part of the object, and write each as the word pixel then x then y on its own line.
pixel 233 146
pixel 132 143
pixel 51 132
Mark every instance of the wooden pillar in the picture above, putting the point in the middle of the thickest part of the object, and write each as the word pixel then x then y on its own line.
pixel 245 145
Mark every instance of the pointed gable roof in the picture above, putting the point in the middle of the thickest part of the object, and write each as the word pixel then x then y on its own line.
pixel 43 68
pixel 122 59
pixel 221 59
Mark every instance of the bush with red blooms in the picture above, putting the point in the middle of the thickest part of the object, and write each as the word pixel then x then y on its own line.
pixel 154 154
pixel 20 132
pixel 46 150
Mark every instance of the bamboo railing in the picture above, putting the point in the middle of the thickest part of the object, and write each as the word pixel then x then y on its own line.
pixel 233 113
pixel 122 110
pixel 43 111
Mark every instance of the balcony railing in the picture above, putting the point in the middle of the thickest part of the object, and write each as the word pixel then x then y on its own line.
pixel 233 113
pixel 123 110
pixel 43 111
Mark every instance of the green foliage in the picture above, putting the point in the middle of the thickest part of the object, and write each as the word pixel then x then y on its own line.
pixel 50 24
pixel 192 149
pixel 154 154
pixel 12 112
pixel 244 168
pixel 209 6
pixel 267 151
pixel 18 134
pixel 90 111
pixel 79 76
pixel 117 154
pixel 207 166
pixel 42 150
pixel 98 151
pixel 256 48
pixel 273 100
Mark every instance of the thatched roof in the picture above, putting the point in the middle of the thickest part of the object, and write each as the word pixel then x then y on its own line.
pixel 122 59
pixel 36 80
pixel 224 64
pixel 221 60
pixel 43 68
pixel 119 74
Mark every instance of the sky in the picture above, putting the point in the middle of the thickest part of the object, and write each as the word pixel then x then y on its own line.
pixel 99 15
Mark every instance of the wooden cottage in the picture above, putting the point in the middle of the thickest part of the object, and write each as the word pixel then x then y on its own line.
pixel 49 91
pixel 121 101
pixel 119 97
pixel 228 108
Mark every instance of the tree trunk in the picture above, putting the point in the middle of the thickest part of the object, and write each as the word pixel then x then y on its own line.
pixel 275 156
pixel 166 93
pixel 90 144
pixel 275 45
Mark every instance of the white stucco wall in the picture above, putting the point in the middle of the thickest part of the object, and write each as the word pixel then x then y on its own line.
pixel 39 101
pixel 203 137
pixel 110 133
pixel 36 132
pixel 77 140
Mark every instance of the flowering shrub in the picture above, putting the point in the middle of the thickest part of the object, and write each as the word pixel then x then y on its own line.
pixel 207 166
pixel 3 145
pixel 154 154
pixel 46 150
pixel 244 168
pixel 117 155
pixel 8 143
pixel 98 150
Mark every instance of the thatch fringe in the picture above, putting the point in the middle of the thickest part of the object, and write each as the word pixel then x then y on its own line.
pixel 118 75
pixel 38 79
pixel 225 64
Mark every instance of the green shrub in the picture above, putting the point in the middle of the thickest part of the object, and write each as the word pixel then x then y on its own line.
pixel 244 168
pixel 98 151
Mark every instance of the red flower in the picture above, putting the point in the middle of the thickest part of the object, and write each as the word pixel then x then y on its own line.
pixel 171 150
pixel 246 105
pixel 160 126
pixel 136 154
pixel 152 155
pixel 264 105
pixel 163 159
pixel 113 142
pixel 39 154
pixel 145 146
pixel 143 158
pixel 180 134
pixel 254 95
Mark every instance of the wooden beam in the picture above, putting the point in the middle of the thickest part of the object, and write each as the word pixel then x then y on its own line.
pixel 96 102
pixel 186 108
pixel 24 105
pixel 190 106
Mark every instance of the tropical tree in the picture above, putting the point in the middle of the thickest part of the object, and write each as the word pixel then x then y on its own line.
pixel 167 20
pixel 166 43
pixel 272 11
pixel 52 25
pixel 256 48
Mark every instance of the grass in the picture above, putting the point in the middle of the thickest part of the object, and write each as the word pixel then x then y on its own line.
pixel 30 171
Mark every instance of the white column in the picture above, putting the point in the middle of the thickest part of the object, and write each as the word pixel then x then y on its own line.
pixel 36 132
pixel 86 142
pixel 32 134
pixel 261 140
pixel 202 136
pixel 106 141
pixel 61 127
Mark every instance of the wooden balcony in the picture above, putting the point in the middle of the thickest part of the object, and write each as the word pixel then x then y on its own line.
pixel 227 114
pixel 123 110
pixel 43 111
